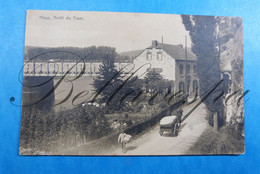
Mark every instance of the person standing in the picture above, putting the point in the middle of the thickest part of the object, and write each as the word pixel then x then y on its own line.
pixel 121 140
pixel 179 115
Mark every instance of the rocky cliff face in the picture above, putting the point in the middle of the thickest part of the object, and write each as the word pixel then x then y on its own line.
pixel 230 33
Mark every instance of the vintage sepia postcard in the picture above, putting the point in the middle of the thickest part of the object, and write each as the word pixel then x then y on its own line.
pixel 106 83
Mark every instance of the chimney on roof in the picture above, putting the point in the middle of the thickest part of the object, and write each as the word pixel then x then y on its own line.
pixel 154 43
pixel 180 45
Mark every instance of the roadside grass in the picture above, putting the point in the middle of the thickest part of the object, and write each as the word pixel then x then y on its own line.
pixel 105 145
pixel 224 141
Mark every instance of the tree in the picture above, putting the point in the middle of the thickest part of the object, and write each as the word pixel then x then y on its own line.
pixel 205 44
pixel 155 82
pixel 109 78
pixel 152 78
pixel 113 86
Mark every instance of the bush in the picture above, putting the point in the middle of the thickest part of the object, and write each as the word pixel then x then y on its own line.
pixel 223 142
pixel 51 130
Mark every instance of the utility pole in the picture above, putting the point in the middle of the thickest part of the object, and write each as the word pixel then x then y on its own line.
pixel 162 39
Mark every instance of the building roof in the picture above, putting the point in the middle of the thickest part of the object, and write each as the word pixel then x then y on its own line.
pixel 131 54
pixel 175 51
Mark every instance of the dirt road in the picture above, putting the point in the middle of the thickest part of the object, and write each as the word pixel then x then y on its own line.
pixel 151 143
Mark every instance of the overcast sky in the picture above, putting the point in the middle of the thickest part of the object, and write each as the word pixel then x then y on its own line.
pixel 124 31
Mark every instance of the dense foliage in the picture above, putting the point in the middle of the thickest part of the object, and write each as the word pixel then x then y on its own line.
pixel 109 78
pixel 155 83
pixel 205 45
pixel 49 131
pixel 92 53
pixel 112 86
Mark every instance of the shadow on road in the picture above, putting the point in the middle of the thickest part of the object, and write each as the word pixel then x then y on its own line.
pixel 182 126
pixel 130 148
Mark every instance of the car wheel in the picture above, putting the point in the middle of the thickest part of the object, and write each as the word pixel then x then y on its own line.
pixel 176 130
pixel 161 132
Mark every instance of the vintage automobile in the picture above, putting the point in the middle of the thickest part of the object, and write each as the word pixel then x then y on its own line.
pixel 169 124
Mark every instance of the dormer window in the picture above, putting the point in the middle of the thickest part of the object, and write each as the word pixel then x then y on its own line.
pixel 149 56
pixel 159 55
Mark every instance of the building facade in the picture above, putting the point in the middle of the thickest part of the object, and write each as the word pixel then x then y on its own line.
pixel 173 62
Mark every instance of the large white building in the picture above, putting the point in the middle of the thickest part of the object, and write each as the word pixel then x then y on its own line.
pixel 173 62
